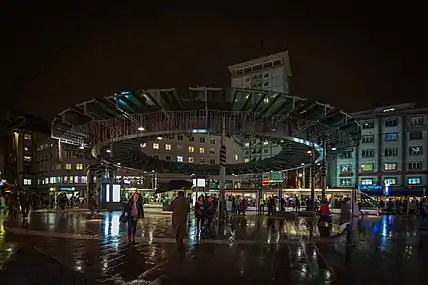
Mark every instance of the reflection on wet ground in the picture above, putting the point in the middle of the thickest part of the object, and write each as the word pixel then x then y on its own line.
pixel 386 250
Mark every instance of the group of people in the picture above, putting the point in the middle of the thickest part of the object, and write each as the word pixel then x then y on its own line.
pixel 12 204
pixel 133 211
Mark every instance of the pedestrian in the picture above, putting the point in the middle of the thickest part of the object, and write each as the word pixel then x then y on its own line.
pixel 199 213
pixel 133 211
pixel 180 208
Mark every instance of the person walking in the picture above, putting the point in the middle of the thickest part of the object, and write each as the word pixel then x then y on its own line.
pixel 133 211
pixel 180 208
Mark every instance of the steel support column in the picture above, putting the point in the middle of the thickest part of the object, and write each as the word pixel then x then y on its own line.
pixel 222 177
pixel 323 171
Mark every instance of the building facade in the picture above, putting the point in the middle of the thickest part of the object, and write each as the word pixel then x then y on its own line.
pixel 18 136
pixel 269 73
pixel 392 150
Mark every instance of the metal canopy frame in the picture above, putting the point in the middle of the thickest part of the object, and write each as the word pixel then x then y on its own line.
pixel 278 116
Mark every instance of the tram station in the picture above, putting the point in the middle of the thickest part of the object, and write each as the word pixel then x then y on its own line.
pixel 131 135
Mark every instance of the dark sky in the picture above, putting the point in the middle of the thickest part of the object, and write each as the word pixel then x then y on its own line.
pixel 348 56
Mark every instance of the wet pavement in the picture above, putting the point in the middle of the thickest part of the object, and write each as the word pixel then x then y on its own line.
pixel 254 250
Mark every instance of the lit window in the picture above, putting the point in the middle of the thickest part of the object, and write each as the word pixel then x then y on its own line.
pixel 179 158
pixel 68 166
pixel 414 180
pixel 367 181
pixel 236 157
pixel 143 145
pixel 168 147
pixel 265 143
pixel 367 167
pixel 390 181
pixel 191 149
pixel 201 150
pixel 390 166
pixel 247 144
pixel 28 137
pixel 155 145
pixel 27 181
pixel 247 160
pixel 345 182
pixel 391 137
pixel 79 166
pixel 27 158
pixel 191 159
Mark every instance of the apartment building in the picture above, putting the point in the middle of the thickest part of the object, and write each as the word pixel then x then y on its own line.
pixel 393 150
pixel 270 73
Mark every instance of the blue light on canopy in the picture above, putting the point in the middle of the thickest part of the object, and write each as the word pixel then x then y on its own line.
pixel 125 93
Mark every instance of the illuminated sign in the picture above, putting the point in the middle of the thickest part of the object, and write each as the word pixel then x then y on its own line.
pixel 370 187
pixel 200 131
pixel 272 181
pixel 67 188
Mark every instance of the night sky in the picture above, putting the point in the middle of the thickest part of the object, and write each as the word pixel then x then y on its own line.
pixel 351 57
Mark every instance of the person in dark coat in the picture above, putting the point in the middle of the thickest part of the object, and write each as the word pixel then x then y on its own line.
pixel 133 210
pixel 180 208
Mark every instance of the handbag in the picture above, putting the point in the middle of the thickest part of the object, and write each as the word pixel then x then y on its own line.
pixel 123 219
